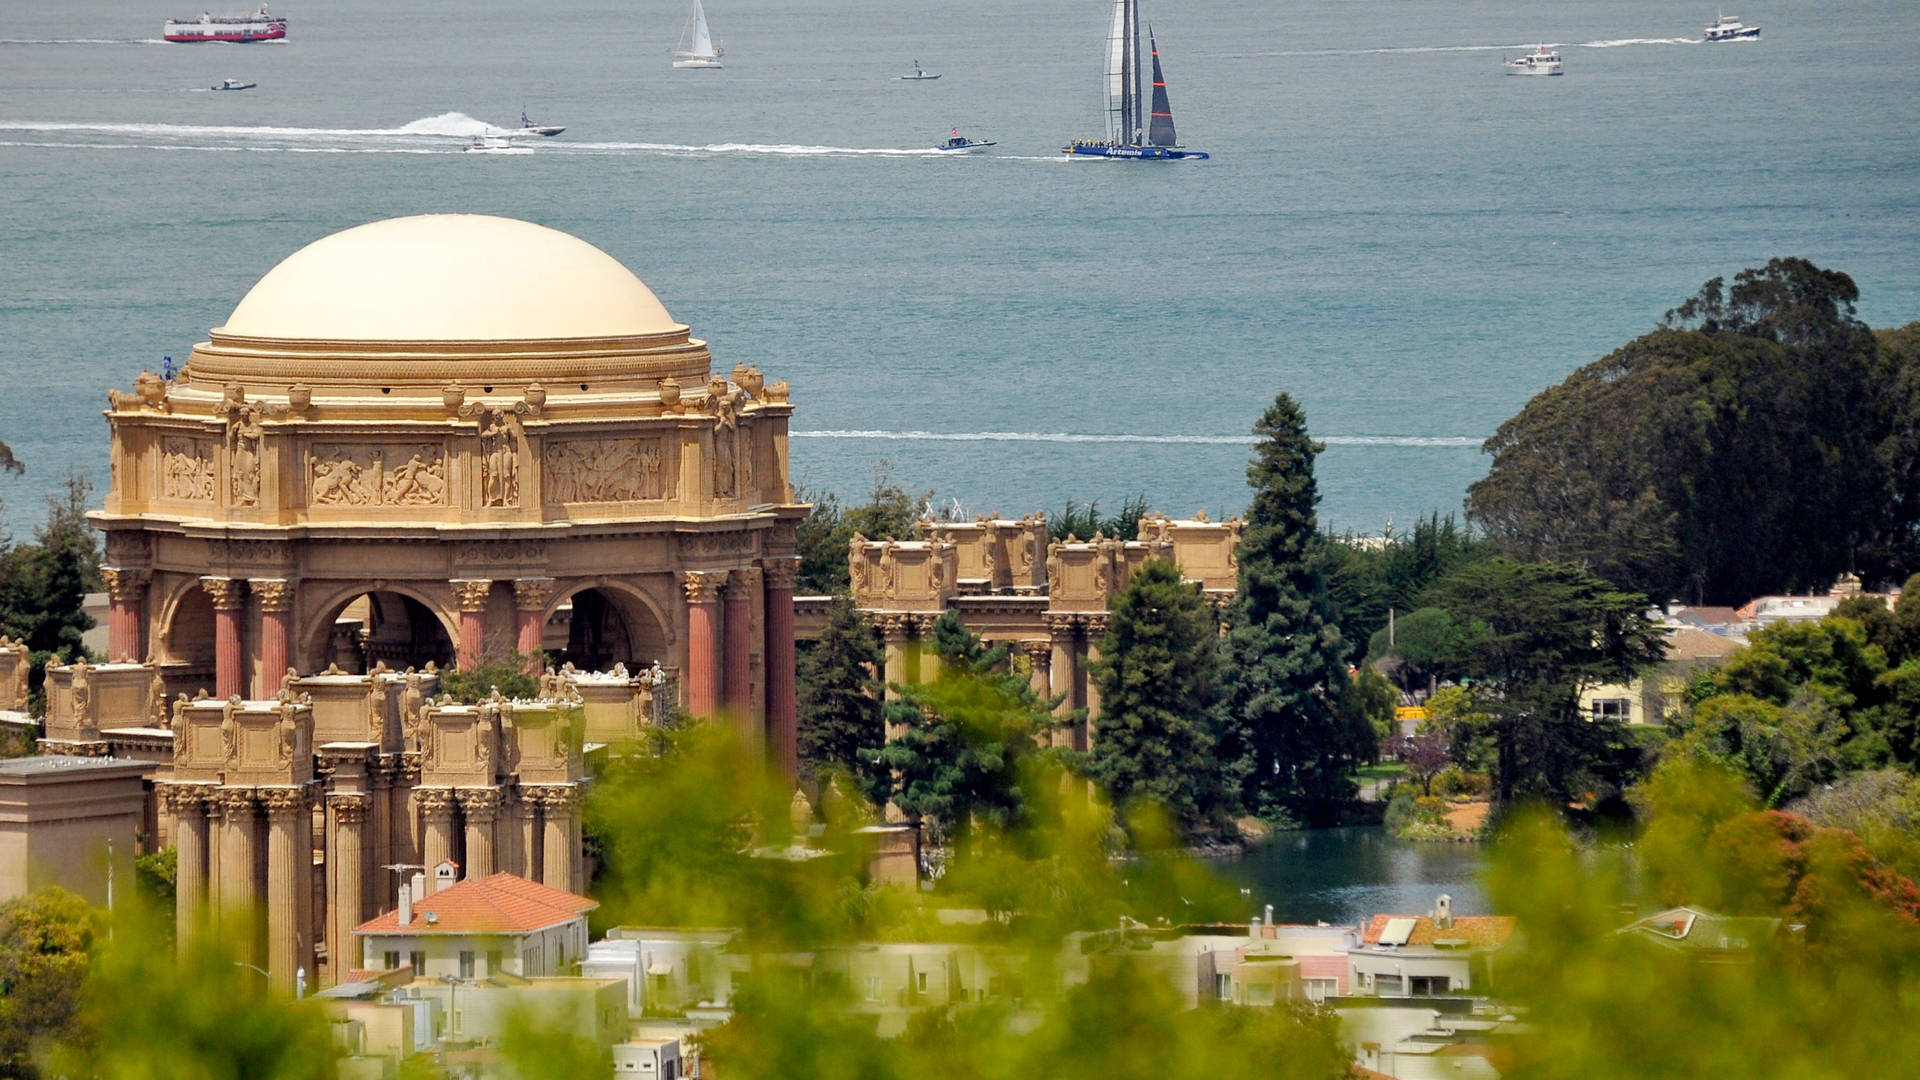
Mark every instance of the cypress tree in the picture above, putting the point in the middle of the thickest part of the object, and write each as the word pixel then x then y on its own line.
pixel 1159 681
pixel 1287 661
pixel 839 702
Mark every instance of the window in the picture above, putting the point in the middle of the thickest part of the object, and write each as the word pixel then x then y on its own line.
pixel 493 961
pixel 1223 987
pixel 466 963
pixel 1611 708
pixel 1260 993
pixel 1321 989
pixel 392 960
pixel 873 988
pixel 419 961
pixel 920 982
pixel 1420 985
pixel 1387 985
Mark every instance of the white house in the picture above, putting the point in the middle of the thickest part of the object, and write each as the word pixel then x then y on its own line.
pixel 479 927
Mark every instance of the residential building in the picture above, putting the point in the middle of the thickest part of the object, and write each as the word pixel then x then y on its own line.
pixel 479 928
pixel 1426 955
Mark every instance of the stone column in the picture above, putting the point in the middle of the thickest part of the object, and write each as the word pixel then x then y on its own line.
pixel 557 805
pixel 436 819
pixel 1096 629
pixel 126 612
pixel 896 632
pixel 527 825
pixel 783 706
pixel 287 813
pixel 703 614
pixel 925 653
pixel 479 806
pixel 472 597
pixel 1040 657
pixel 403 828
pixel 377 847
pixel 276 611
pixel 237 898
pixel 189 806
pixel 1060 633
pixel 530 596
pixel 737 652
pixel 229 657
pixel 347 875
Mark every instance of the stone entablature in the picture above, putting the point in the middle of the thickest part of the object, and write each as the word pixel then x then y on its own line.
pixel 903 575
pixel 996 555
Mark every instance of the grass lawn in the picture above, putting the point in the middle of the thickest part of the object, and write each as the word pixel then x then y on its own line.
pixel 1380 770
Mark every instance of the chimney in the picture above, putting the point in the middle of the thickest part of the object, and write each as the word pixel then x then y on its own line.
pixel 1443 912
pixel 405 915
pixel 1253 927
pixel 1269 914
pixel 419 886
pixel 445 875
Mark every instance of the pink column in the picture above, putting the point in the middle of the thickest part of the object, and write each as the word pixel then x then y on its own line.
pixel 782 700
pixel 126 612
pixel 737 661
pixel 703 611
pixel 530 596
pixel 229 659
pixel 276 610
pixel 472 596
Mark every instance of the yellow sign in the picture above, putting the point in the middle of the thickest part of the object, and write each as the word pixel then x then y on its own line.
pixel 1410 712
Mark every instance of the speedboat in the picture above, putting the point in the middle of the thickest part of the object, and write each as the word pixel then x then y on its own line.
pixel 959 144
pixel 234 84
pixel 528 127
pixel 495 144
pixel 1542 61
pixel 1730 28
pixel 919 75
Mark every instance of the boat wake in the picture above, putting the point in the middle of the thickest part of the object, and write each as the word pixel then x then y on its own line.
pixel 770 149
pixel 1080 437
pixel 420 136
pixel 1609 43
pixel 82 41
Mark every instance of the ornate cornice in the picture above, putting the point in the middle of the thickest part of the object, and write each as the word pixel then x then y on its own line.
pixel 1040 652
pixel 182 800
pixel 923 624
pixel 894 628
pixel 553 797
pixel 742 584
pixel 234 801
pixel 472 593
pixel 275 594
pixel 349 808
pixel 1096 624
pixel 702 586
pixel 1060 624
pixel 478 804
pixel 283 803
pixel 434 802
pixel 227 594
pixel 532 594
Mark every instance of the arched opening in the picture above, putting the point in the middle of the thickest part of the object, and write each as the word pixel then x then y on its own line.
pixel 594 629
pixel 187 646
pixel 379 627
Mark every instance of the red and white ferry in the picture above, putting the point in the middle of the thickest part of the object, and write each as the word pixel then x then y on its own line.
pixel 259 26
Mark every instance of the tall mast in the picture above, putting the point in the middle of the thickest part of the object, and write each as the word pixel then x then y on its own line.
pixel 1139 105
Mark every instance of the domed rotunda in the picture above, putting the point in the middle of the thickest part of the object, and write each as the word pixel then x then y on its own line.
pixel 448 438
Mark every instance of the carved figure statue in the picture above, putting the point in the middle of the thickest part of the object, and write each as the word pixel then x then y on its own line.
pixel 157 699
pixel 411 706
pixel 489 723
pixel 82 695
pixel 229 733
pixel 179 726
pixel 288 682
pixel 243 453
pixel 726 442
pixel 289 732
pixel 499 457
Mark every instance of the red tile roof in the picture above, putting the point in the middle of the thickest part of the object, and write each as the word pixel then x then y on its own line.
pixel 500 904
pixel 1478 931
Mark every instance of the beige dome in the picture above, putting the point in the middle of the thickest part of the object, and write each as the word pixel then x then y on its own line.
pixel 448 278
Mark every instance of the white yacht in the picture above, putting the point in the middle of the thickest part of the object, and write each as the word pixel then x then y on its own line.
pixel 696 48
pixel 1542 61
pixel 1730 28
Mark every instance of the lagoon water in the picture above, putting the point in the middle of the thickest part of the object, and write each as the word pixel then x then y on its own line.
pixel 1389 229
pixel 1345 876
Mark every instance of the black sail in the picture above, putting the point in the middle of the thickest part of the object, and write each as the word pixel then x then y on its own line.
pixel 1160 133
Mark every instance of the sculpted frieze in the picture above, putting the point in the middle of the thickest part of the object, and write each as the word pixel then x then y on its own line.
pixel 367 476
pixel 603 470
pixel 493 552
pixel 186 469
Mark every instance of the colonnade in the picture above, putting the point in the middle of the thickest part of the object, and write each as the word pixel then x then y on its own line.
pixel 720 648
pixel 1060 663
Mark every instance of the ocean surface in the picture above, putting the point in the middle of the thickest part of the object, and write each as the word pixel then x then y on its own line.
pixel 1391 230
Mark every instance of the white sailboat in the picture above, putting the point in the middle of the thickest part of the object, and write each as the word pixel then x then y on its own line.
pixel 696 48
pixel 1138 128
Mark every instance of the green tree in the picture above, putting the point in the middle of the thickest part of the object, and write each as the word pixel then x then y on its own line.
pixel 1282 737
pixel 46 944
pixel 504 672
pixel 962 741
pixel 1764 449
pixel 43 585
pixel 1366 709
pixel 1545 631
pixel 1368 577
pixel 1082 522
pixel 1423 647
pixel 891 512
pixel 840 698
pixel 1159 681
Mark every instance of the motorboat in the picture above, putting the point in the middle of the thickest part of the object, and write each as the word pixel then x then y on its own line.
pixel 528 127
pixel 1541 61
pixel 696 47
pixel 1136 130
pixel 919 75
pixel 495 144
pixel 234 84
pixel 1730 28
pixel 959 144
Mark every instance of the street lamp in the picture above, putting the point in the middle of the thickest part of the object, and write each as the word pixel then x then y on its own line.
pixel 299 976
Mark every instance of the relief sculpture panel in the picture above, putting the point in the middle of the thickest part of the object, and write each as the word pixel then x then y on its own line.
pixel 603 470
pixel 186 469
pixel 354 475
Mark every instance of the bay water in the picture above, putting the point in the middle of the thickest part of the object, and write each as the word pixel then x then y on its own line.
pixel 1391 230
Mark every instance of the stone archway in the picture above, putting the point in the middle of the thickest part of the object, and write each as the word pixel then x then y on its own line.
pixel 358 628
pixel 599 624
pixel 185 649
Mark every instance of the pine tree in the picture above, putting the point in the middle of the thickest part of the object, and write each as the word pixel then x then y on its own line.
pixel 1287 660
pixel 839 697
pixel 1159 682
